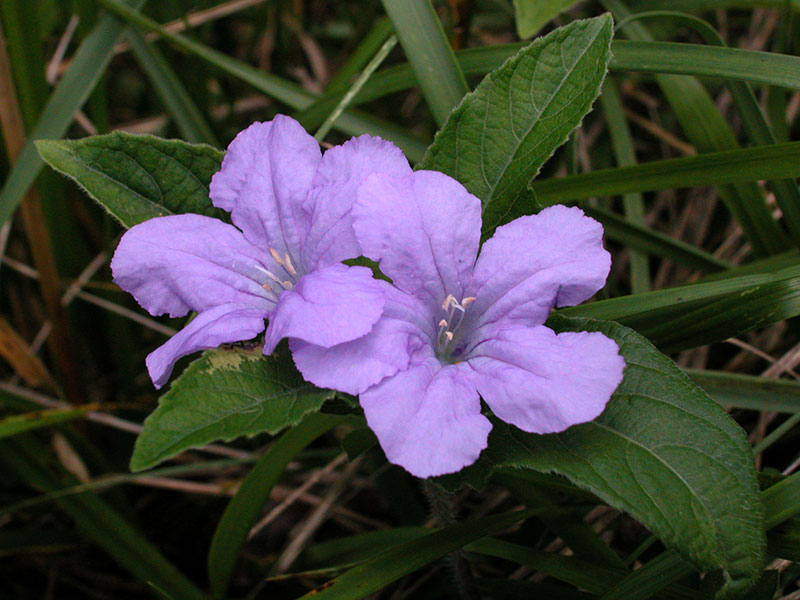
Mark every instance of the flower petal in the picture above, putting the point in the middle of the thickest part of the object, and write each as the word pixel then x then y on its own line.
pixel 424 229
pixel 342 170
pixel 354 366
pixel 427 418
pixel 188 262
pixel 544 382
pixel 328 306
pixel 555 257
pixel 220 325
pixel 266 175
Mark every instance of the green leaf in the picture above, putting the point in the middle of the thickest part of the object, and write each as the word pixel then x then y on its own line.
pixel 138 177
pixel 531 15
pixel 406 558
pixel 222 395
pixel 662 451
pixel 749 391
pixel 243 510
pixel 500 135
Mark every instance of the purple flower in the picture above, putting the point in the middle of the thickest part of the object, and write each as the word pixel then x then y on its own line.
pixel 470 326
pixel 291 209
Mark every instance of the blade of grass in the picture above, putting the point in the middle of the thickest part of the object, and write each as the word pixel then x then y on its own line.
pixel 430 54
pixel 781 501
pixel 622 143
pixel 351 122
pixel 755 123
pixel 168 86
pixel 707 130
pixel 729 166
pixel 749 391
pixel 389 566
pixel 647 240
pixel 17 424
pixel 656 574
pixel 89 63
pixel 242 511
pixel 313 116
pixel 98 522
pixel 376 61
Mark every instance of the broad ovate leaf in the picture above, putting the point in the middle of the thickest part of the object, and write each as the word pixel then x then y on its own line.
pixel 225 394
pixel 662 451
pixel 138 177
pixel 497 139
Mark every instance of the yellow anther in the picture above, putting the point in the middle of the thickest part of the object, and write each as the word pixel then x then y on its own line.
pixel 449 335
pixel 442 323
pixel 448 301
pixel 288 265
pixel 275 256
pixel 466 301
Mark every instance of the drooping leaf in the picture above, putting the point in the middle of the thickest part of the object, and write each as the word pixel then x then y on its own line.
pixel 223 395
pixel 138 177
pixel 662 451
pixel 497 139
pixel 531 15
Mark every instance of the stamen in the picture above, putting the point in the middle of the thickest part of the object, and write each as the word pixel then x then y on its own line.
pixel 275 256
pixel 448 301
pixel 467 301
pixel 443 323
pixel 289 266
pixel 449 335
pixel 288 285
pixel 269 274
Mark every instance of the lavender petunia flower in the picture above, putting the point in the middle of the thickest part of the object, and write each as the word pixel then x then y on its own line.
pixel 291 209
pixel 470 326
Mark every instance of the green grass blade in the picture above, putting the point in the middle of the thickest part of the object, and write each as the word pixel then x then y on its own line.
pixel 775 161
pixel 313 116
pixel 707 130
pixel 622 142
pixel 389 566
pixel 75 87
pixel 749 391
pixel 17 424
pixel 646 240
pixel 755 123
pixel 653 577
pixel 430 54
pixel 243 509
pixel 351 122
pixel 781 501
pixel 168 86
pixel 98 522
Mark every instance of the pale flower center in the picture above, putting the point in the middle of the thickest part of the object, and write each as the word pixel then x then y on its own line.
pixel 285 279
pixel 446 339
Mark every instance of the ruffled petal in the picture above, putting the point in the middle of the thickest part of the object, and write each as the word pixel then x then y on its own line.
pixel 328 306
pixel 543 382
pixel 354 366
pixel 552 258
pixel 266 175
pixel 341 171
pixel 424 229
pixel 427 418
pixel 188 262
pixel 220 325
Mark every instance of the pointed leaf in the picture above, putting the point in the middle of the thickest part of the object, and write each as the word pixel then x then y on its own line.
pixel 222 395
pixel 497 139
pixel 138 177
pixel 662 451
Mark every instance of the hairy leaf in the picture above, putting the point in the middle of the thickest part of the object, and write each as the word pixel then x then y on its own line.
pixel 138 177
pixel 222 395
pixel 662 451
pixel 497 139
